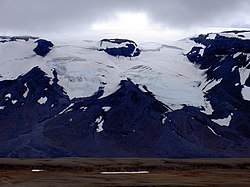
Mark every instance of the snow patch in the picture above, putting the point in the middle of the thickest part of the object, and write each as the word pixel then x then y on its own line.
pixel 244 74
pixel 125 172
pixel 67 109
pixel 211 36
pixel 99 122
pixel 2 107
pixel 42 100
pixel 99 119
pixel 237 54
pixel 233 35
pixel 100 127
pixel 7 96
pixel 83 108
pixel 27 91
pixel 208 108
pixel 213 131
pixel 248 56
pixel 106 44
pixel 37 170
pixel 106 108
pixel 246 93
pixel 201 52
pixel 14 102
pixel 20 55
pixel 234 68
pixel 223 122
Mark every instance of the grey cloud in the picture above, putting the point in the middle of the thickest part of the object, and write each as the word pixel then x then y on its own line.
pixel 66 15
pixel 185 13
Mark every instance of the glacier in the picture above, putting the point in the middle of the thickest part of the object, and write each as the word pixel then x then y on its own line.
pixel 118 98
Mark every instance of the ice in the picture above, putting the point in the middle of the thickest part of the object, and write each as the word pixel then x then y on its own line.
pixel 164 120
pixel 229 35
pixel 105 45
pixel 18 58
pixel 82 70
pixel 156 47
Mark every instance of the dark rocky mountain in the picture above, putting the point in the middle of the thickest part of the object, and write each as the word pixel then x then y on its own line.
pixel 120 47
pixel 226 59
pixel 43 47
pixel 4 39
pixel 39 119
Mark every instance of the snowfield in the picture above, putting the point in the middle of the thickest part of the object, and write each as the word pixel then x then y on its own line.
pixel 113 97
pixel 82 69
pixel 163 68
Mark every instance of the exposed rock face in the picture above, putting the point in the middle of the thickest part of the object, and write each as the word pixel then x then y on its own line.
pixel 39 119
pixel 43 47
pixel 4 39
pixel 226 62
pixel 120 47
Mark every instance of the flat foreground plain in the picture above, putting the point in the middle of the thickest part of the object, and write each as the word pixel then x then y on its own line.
pixel 88 172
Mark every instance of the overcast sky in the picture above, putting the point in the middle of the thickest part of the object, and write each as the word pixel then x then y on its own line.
pixel 43 16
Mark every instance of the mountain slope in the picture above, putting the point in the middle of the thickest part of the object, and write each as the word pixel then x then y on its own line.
pixel 79 101
pixel 226 62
